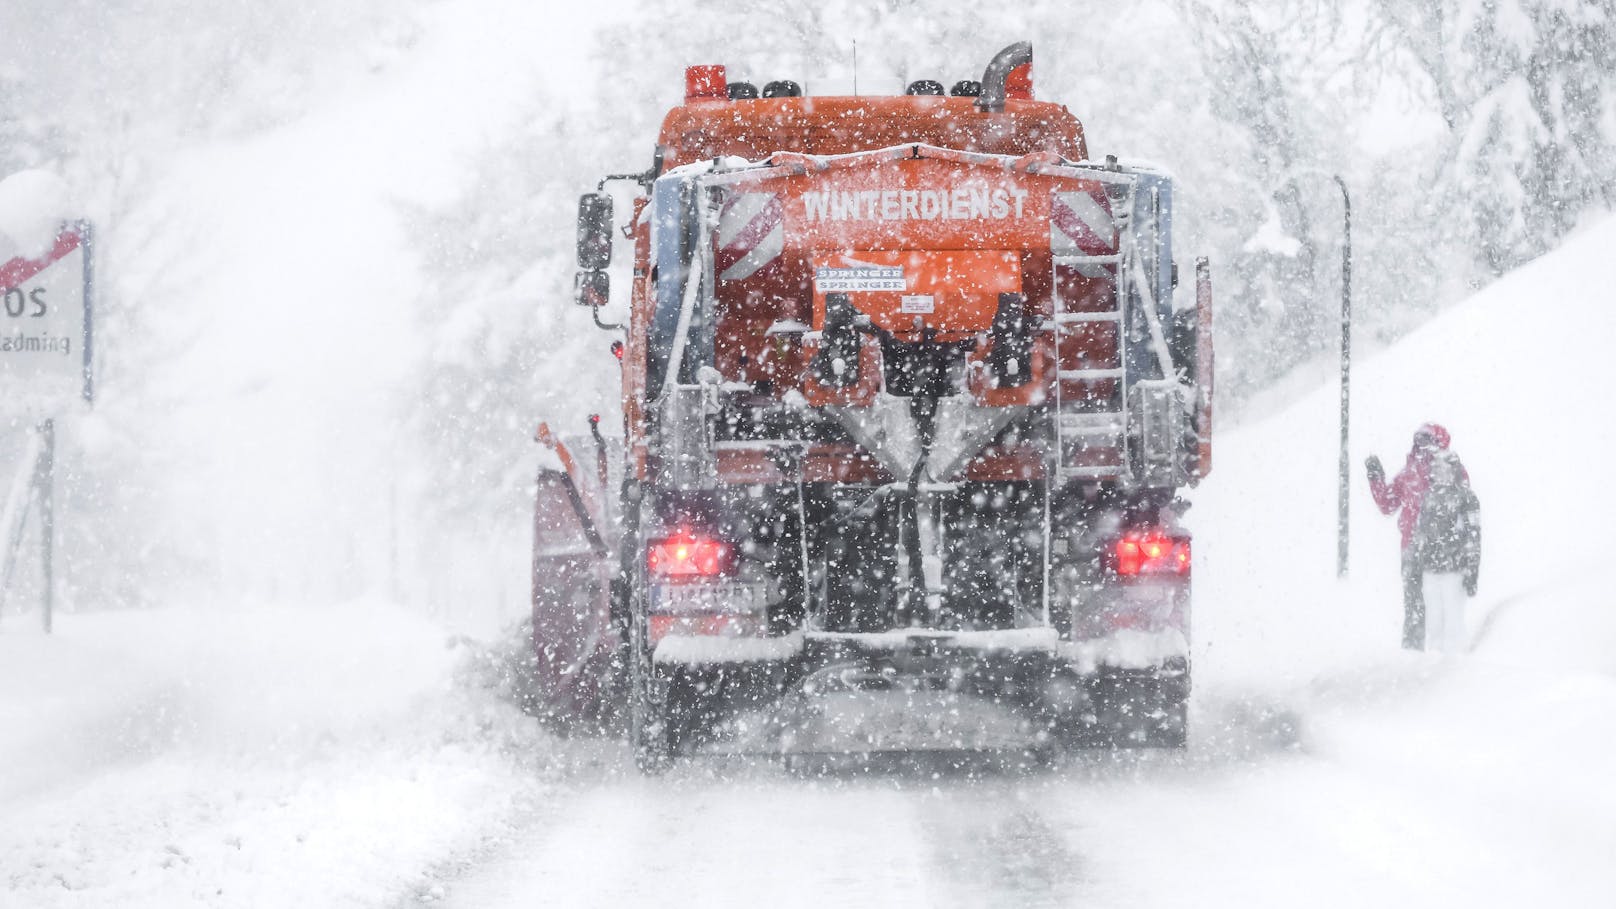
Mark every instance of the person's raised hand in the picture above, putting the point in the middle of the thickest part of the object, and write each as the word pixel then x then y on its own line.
pixel 1372 465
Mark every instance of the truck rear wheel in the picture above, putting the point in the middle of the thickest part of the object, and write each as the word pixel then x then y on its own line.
pixel 1169 726
pixel 1148 712
pixel 650 732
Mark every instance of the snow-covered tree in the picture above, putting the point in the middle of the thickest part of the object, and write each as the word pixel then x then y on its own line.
pixel 1272 78
pixel 1526 88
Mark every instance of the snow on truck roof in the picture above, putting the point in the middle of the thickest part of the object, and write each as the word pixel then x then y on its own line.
pixel 756 128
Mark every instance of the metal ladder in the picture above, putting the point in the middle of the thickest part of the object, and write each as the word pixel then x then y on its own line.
pixel 1078 432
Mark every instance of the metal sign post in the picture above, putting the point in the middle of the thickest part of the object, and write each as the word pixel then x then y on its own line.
pixel 1343 473
pixel 1343 487
pixel 36 482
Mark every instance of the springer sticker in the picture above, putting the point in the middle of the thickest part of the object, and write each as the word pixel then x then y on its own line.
pixel 863 277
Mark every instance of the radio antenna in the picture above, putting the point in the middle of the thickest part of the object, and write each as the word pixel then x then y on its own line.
pixel 855 67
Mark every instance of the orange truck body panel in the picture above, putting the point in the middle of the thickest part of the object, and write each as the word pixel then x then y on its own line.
pixel 913 182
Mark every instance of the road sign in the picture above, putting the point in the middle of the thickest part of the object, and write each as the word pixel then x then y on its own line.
pixel 45 326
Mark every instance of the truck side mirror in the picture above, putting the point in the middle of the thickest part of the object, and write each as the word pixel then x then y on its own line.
pixel 594 231
pixel 592 288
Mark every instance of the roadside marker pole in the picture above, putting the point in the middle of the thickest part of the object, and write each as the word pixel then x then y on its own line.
pixel 1344 479
pixel 39 469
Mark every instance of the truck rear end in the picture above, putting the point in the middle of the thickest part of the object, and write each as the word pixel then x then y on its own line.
pixel 907 409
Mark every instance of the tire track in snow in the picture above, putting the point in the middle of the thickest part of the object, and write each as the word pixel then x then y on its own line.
pixel 1250 809
pixel 729 831
pixel 715 834
pixel 993 847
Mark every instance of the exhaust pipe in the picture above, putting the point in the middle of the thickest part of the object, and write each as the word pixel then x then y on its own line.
pixel 998 73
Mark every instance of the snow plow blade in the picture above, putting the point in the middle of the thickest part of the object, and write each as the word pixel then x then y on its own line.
pixel 577 671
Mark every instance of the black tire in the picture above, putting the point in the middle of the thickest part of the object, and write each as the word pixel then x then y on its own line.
pixel 649 731
pixel 1139 711
pixel 1171 727
pixel 1163 706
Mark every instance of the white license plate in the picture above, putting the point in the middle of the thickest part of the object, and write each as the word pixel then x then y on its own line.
pixel 722 599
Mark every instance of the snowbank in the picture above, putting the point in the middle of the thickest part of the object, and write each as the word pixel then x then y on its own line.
pixel 33 205
pixel 245 757
pixel 1515 374
pixel 1481 779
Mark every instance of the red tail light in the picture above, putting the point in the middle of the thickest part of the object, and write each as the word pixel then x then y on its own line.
pixel 686 556
pixel 1151 552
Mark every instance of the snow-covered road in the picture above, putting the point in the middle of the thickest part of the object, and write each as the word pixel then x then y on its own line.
pixel 1340 798
pixel 751 835
pixel 1255 818
pixel 156 769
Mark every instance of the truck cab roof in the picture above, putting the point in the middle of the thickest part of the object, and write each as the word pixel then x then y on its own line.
pixel 756 128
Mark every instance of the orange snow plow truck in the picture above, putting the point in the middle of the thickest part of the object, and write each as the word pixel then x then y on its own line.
pixel 909 398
